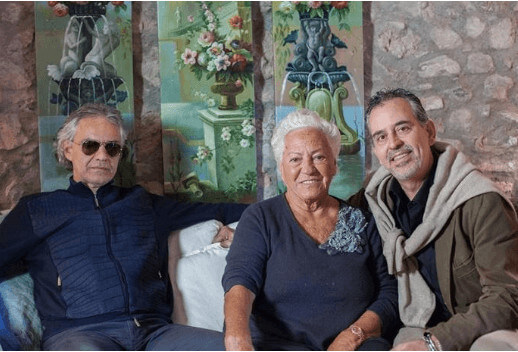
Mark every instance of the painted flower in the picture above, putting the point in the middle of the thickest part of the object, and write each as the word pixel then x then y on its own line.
pixel 203 153
pixel 286 7
pixel 209 15
pixel 52 3
pixel 211 102
pixel 238 83
pixel 225 133
pixel 222 62
pixel 244 143
pixel 248 130
pixel 246 122
pixel 60 10
pixel 215 49
pixel 189 56
pixel 114 3
pixel 190 18
pixel 202 59
pixel 238 63
pixel 206 38
pixel 314 4
pixel 236 22
pixel 211 26
pixel 339 4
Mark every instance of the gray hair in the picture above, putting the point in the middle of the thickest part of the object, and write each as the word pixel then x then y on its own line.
pixel 68 131
pixel 385 95
pixel 299 119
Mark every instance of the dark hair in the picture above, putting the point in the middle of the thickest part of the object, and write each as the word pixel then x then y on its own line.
pixel 69 128
pixel 385 95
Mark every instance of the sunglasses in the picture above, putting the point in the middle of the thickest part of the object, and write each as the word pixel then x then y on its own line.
pixel 90 147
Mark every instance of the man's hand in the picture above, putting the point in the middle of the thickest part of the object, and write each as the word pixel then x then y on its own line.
pixel 415 345
pixel 225 236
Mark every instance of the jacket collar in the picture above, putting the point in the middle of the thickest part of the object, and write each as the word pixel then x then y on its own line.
pixel 105 194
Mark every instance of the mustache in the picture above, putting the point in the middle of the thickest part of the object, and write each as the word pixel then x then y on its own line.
pixel 394 152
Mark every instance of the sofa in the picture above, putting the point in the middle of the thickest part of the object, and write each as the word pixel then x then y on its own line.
pixel 196 266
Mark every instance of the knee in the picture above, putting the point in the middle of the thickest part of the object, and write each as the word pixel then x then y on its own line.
pixel 500 340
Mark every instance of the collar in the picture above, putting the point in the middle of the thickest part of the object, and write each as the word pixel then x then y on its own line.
pixel 82 190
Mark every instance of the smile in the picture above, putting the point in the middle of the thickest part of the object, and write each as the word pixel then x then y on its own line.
pixel 309 181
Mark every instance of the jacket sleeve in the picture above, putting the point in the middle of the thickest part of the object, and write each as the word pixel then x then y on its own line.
pixel 385 304
pixel 484 295
pixel 17 237
pixel 173 215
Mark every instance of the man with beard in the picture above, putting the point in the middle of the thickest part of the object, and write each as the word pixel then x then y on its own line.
pixel 449 234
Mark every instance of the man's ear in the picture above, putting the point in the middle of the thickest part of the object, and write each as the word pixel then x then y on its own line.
pixel 432 132
pixel 67 149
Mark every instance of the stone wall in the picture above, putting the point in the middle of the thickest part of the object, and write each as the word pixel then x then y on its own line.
pixel 457 56
pixel 460 59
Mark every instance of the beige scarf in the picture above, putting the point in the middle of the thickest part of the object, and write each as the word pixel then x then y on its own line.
pixel 456 181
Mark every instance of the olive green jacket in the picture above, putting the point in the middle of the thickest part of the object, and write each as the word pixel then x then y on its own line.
pixel 477 271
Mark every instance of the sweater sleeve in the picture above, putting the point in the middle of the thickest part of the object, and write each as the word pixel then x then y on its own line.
pixel 247 257
pixel 485 291
pixel 385 304
pixel 17 237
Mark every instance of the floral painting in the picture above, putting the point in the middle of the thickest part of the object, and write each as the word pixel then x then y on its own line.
pixel 208 121
pixel 318 57
pixel 83 55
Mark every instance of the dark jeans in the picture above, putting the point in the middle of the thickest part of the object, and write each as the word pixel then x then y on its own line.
pixel 152 335
pixel 275 344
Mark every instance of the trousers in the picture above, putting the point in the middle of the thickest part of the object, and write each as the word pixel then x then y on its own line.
pixel 149 335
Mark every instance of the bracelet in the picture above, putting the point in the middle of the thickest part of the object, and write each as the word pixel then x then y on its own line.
pixel 427 337
pixel 356 330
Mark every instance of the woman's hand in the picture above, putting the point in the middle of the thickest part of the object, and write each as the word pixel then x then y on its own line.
pixel 368 325
pixel 238 343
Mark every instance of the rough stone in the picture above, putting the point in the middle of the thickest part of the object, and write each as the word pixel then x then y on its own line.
pixel 496 87
pixel 394 41
pixel 501 34
pixel 480 63
pixel 462 118
pixel 459 94
pixel 446 38
pixel 432 103
pixel 439 66
pixel 11 14
pixel 474 26
pixel 11 134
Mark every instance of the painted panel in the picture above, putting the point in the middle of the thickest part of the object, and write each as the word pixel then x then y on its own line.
pixel 207 100
pixel 83 54
pixel 319 65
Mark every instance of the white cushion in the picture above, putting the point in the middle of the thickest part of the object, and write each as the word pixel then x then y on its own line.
pixel 196 267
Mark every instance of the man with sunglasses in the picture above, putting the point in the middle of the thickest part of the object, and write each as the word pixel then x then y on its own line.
pixel 98 253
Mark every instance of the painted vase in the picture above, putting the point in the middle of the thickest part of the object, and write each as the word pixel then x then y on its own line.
pixel 227 91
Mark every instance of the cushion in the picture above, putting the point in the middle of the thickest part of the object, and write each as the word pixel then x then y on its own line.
pixel 20 326
pixel 196 266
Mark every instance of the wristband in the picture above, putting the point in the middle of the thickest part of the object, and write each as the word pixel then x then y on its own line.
pixel 427 337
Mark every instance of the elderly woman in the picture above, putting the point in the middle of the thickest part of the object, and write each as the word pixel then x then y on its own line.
pixel 306 270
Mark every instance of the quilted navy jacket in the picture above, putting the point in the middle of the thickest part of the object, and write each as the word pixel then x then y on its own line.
pixel 96 257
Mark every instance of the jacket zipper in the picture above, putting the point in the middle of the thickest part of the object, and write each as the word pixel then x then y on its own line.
pixel 122 277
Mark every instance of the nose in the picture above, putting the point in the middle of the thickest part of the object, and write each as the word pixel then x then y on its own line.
pixel 101 153
pixel 307 165
pixel 394 141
